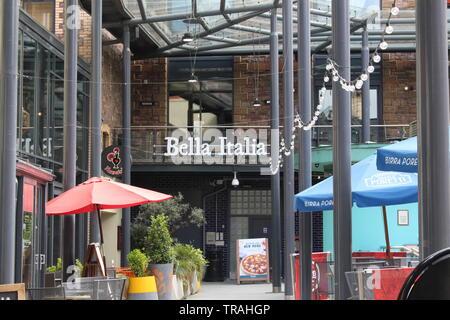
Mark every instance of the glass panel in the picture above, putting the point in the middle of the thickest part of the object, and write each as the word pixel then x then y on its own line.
pixel 43 105
pixel 42 11
pixel 29 95
pixel 28 234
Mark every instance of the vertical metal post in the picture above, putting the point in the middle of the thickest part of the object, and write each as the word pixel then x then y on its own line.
pixel 288 176
pixel 342 150
pixel 70 124
pixel 304 145
pixel 365 136
pixel 275 178
pixel 8 133
pixel 126 147
pixel 433 119
pixel 96 107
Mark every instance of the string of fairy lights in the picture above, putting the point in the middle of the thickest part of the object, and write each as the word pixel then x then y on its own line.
pixel 332 74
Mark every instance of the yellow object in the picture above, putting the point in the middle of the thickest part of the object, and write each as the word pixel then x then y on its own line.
pixel 142 285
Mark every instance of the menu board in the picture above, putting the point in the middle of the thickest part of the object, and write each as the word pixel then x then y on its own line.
pixel 252 260
pixel 12 292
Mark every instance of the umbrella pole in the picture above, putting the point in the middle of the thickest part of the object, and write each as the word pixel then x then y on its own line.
pixel 386 235
pixel 100 226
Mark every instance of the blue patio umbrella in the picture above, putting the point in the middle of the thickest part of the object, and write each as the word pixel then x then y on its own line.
pixel 400 156
pixel 370 188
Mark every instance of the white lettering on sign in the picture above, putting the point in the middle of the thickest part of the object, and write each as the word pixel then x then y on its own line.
pixel 413 162
pixel 322 203
pixel 238 146
pixel 388 179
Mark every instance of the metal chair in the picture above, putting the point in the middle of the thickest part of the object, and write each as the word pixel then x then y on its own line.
pixel 430 279
pixel 57 293
pixel 109 289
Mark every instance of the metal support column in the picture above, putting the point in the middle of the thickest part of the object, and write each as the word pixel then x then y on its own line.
pixel 288 176
pixel 342 150
pixel 70 125
pixel 433 120
pixel 96 108
pixel 126 147
pixel 304 145
pixel 275 245
pixel 8 135
pixel 365 135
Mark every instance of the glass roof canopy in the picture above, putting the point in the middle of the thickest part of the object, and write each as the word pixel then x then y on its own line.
pixel 243 26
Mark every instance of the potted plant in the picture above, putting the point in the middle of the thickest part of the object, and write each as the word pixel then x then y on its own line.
pixel 158 247
pixel 142 286
pixel 184 267
pixel 189 266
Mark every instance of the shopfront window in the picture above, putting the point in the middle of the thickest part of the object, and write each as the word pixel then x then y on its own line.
pixel 41 106
pixel 43 11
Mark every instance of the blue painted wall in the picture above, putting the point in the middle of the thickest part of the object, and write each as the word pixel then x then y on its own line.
pixel 368 228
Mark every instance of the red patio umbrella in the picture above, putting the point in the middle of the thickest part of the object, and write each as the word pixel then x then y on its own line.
pixel 98 194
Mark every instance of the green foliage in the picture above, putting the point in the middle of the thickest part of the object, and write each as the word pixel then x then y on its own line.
pixel 158 242
pixel 188 260
pixel 180 215
pixel 138 261
pixel 57 268
pixel 79 265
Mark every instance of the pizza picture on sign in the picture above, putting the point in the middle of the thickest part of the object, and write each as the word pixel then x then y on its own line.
pixel 255 264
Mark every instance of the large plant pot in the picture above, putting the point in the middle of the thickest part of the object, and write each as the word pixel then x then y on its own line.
pixel 163 274
pixel 178 288
pixel 143 288
pixel 194 283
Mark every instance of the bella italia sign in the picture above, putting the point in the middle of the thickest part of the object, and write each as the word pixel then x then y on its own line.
pixel 214 146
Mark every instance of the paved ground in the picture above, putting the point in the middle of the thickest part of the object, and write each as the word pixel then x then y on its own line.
pixel 231 291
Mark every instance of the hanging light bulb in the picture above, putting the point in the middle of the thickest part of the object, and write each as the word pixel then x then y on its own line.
pixel 359 84
pixel 326 79
pixel 193 79
pixel 257 103
pixel 364 77
pixel 371 69
pixel 383 45
pixel 389 29
pixel 376 58
pixel 329 67
pixel 235 182
pixel 335 78
pixel 395 10
pixel 187 37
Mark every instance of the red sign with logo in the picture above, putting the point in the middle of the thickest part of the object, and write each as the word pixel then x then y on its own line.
pixel 112 161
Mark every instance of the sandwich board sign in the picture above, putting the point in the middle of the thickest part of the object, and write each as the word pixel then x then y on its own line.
pixel 252 260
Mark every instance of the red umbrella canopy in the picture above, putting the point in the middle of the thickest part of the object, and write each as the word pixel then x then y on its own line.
pixel 101 193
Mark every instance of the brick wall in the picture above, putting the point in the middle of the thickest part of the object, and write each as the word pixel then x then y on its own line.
pixel 386 4
pixel 149 83
pixel 245 68
pixel 84 33
pixel 399 72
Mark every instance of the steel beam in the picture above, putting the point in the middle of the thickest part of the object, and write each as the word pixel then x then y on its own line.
pixel 304 144
pixel 96 108
pixel 181 16
pixel 70 124
pixel 9 12
pixel 433 122
pixel 275 244
pixel 288 175
pixel 365 93
pixel 342 150
pixel 214 29
pixel 126 134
